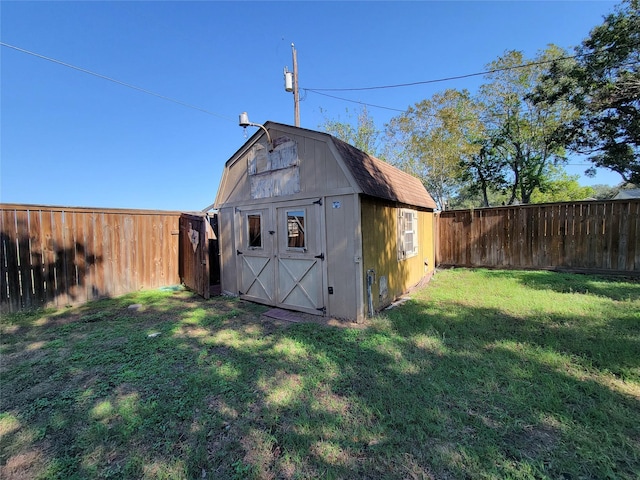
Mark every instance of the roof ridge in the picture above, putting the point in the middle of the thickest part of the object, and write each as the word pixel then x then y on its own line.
pixel 398 185
pixel 374 176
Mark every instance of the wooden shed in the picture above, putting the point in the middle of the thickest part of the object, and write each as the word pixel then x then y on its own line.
pixel 312 224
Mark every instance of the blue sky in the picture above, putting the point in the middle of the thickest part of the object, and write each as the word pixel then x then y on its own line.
pixel 73 139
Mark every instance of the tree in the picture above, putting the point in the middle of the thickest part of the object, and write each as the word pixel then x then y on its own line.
pixel 484 171
pixel 431 137
pixel 523 134
pixel 604 192
pixel 561 187
pixel 557 187
pixel 603 84
pixel 469 197
pixel 362 133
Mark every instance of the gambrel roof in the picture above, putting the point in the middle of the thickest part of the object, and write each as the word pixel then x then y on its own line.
pixel 366 174
pixel 380 179
pixel 375 177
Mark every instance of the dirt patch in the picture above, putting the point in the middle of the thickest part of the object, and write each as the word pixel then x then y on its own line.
pixel 261 452
pixel 9 360
pixel 535 440
pixel 24 465
pixel 290 318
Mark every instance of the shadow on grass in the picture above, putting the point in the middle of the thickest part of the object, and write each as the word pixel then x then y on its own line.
pixel 609 341
pixel 613 287
pixel 185 388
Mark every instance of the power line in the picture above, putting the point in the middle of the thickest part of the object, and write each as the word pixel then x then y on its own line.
pixel 459 77
pixel 319 91
pixel 439 80
pixel 352 101
pixel 128 85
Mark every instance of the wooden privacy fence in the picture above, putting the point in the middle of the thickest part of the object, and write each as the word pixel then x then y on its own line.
pixel 56 256
pixel 598 237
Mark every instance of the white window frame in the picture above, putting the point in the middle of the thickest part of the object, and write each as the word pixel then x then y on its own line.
pixel 407 226
pixel 304 229
pixel 248 229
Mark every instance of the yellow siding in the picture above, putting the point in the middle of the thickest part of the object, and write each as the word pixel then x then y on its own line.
pixel 380 252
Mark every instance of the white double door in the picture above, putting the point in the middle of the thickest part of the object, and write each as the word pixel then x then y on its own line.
pixel 280 256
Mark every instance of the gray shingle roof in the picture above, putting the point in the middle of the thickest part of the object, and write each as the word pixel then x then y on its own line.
pixel 627 194
pixel 382 180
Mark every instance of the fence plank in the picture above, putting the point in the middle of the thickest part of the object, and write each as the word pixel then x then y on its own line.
pixel 10 250
pixel 633 255
pixel 89 249
pixel 37 263
pixel 143 228
pixel 570 244
pixel 48 257
pixel 113 267
pixel 4 284
pixel 24 257
pixel 83 273
pixel 616 227
pixel 62 282
pixel 98 289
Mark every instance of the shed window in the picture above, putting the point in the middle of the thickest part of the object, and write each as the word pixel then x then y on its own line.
pixel 407 233
pixel 254 226
pixel 296 229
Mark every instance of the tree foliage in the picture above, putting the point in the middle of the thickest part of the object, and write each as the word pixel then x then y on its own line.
pixel 558 186
pixel 360 132
pixel 508 143
pixel 522 134
pixel 561 187
pixel 484 172
pixel 603 84
pixel 430 139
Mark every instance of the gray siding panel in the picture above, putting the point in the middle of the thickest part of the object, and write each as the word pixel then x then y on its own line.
pixel 228 278
pixel 341 238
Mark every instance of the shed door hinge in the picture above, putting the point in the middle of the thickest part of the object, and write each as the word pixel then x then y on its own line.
pixel 318 202
pixel 323 310
pixel 238 252
pixel 321 256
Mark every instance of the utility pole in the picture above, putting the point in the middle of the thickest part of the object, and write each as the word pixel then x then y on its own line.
pixel 296 95
pixel 291 85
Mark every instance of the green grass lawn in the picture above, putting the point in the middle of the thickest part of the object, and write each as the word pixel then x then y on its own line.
pixel 482 374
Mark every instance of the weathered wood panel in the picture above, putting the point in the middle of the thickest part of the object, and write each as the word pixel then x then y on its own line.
pixel 580 236
pixel 57 256
pixel 194 253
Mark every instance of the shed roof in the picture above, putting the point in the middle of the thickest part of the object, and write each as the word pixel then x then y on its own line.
pixel 627 194
pixel 382 180
pixel 375 177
